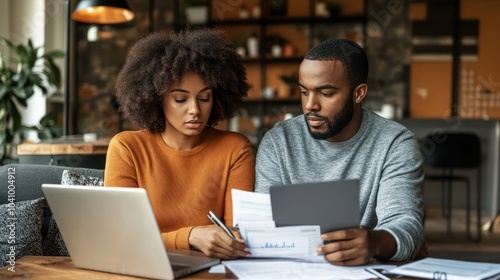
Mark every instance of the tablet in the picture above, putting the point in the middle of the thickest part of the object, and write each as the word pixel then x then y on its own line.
pixel 332 205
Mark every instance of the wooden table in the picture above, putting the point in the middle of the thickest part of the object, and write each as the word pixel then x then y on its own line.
pixel 59 268
pixel 74 153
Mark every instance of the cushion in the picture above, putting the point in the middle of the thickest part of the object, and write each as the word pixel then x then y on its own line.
pixel 53 244
pixel 20 230
pixel 75 179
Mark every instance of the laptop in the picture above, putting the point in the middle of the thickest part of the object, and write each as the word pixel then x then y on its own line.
pixel 332 205
pixel 115 230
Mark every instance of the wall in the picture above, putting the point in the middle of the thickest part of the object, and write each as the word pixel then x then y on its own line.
pixel 21 20
pixel 479 95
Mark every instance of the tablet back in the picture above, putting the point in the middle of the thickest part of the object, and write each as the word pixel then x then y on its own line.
pixel 333 204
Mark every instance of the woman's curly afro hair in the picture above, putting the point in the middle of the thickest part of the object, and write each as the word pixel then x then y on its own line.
pixel 160 60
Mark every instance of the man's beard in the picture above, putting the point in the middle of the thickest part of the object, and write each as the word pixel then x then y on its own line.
pixel 340 121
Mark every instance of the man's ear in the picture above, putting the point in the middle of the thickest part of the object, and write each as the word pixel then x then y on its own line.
pixel 360 93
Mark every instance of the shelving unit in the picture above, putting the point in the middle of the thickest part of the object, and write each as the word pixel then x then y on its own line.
pixel 300 28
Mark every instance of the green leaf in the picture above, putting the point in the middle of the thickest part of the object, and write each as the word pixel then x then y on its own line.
pixel 29 91
pixel 7 42
pixel 54 74
pixel 23 54
pixel 16 118
pixel 3 91
pixel 54 54
pixel 24 132
pixel 20 93
pixel 47 120
pixel 36 79
pixel 22 77
pixel 44 134
pixel 56 131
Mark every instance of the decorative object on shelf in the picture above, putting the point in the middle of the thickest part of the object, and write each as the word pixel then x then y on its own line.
pixel 268 92
pixel 275 43
pixel 278 7
pixel 320 9
pixel 256 10
pixel 18 83
pixel 243 12
pixel 103 12
pixel 253 45
pixel 241 51
pixel 288 50
pixel 240 43
pixel 288 85
pixel 334 8
pixel 196 11
pixel 276 50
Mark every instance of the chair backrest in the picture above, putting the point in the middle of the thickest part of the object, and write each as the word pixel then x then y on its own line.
pixel 452 150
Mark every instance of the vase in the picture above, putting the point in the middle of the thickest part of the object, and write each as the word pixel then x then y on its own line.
pixel 197 15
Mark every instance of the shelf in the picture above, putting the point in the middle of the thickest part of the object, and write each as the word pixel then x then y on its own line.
pixel 287 20
pixel 274 60
pixel 274 100
pixel 302 31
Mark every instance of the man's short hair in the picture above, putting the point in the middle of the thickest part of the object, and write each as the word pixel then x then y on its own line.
pixel 351 55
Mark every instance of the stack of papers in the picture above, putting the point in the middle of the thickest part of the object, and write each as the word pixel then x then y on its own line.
pixel 283 269
pixel 444 269
pixel 252 215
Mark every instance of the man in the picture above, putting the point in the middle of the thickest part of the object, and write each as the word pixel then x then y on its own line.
pixel 336 138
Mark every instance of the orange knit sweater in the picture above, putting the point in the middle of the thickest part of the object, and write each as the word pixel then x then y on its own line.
pixel 182 185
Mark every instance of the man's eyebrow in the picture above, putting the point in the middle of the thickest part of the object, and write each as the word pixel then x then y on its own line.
pixel 185 91
pixel 327 86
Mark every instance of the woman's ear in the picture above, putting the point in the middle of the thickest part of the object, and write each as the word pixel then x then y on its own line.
pixel 360 93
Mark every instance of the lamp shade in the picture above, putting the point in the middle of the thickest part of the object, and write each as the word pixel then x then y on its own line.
pixel 103 12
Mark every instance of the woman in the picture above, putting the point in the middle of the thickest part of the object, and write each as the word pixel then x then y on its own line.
pixel 176 87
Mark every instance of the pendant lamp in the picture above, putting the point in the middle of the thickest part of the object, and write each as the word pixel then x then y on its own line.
pixel 103 12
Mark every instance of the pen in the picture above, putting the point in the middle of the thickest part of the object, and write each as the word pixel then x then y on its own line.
pixel 376 273
pixel 218 223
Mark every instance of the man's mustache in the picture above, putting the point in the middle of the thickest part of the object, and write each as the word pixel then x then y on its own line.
pixel 313 114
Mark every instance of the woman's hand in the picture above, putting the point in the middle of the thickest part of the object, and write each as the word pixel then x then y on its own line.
pixel 215 242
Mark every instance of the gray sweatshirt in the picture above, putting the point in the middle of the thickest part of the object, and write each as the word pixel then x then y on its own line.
pixel 384 156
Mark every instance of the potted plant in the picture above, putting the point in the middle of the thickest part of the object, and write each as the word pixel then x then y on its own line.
pixel 47 128
pixel 196 11
pixel 26 69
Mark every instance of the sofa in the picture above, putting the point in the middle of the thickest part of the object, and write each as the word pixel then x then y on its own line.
pixel 27 225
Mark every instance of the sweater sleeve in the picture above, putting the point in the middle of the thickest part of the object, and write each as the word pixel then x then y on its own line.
pixel 400 204
pixel 177 239
pixel 241 176
pixel 267 167
pixel 120 169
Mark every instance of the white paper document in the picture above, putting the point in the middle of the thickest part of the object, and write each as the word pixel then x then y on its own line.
pixel 297 242
pixel 253 215
pixel 444 269
pixel 251 207
pixel 283 269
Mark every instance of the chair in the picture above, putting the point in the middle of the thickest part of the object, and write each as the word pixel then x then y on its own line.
pixel 449 151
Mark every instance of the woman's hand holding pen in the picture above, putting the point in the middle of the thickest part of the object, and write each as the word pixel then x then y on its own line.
pixel 213 241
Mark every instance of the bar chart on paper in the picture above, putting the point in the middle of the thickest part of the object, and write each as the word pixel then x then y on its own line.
pixel 294 246
pixel 298 242
pixel 283 245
